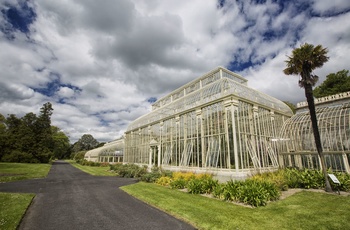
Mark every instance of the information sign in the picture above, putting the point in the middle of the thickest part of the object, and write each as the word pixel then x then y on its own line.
pixel 334 178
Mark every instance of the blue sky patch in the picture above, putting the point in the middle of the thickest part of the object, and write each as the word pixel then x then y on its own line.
pixel 17 18
pixel 51 87
pixel 151 100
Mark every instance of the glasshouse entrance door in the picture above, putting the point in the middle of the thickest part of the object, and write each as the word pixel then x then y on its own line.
pixel 154 156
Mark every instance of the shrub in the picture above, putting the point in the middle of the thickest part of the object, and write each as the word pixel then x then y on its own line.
pixel 164 181
pixel 344 180
pixel 231 190
pixel 219 191
pixel 278 178
pixel 129 170
pixel 201 184
pixel 311 179
pixel 19 157
pixel 187 176
pixel 151 177
pixel 292 176
pixel 115 167
pixel 78 155
pixel 194 186
pixel 155 174
pixel 92 163
pixel 179 183
pixel 104 164
pixel 252 192
pixel 208 184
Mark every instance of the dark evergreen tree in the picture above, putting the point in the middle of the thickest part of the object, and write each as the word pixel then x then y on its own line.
pixel 43 134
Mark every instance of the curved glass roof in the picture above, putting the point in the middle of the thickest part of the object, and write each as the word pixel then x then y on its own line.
pixel 334 128
pixel 111 148
pixel 219 83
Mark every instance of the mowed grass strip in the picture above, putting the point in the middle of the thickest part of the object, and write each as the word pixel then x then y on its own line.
pixel 22 171
pixel 93 170
pixel 304 210
pixel 14 205
pixel 12 208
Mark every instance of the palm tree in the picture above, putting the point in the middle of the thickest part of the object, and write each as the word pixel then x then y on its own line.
pixel 302 62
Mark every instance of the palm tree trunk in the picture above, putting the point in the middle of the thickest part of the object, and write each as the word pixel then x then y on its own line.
pixel 311 105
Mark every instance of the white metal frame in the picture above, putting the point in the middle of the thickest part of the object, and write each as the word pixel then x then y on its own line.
pixel 215 122
pixel 297 145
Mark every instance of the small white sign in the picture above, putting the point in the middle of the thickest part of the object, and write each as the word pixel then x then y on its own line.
pixel 334 178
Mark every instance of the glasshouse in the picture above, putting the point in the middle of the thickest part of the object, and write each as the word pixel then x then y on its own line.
pixel 110 152
pixel 297 145
pixel 214 124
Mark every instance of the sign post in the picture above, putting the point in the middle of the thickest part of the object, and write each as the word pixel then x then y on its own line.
pixel 335 181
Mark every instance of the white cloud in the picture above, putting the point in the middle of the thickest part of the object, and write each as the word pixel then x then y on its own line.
pixel 65 92
pixel 324 7
pixel 103 60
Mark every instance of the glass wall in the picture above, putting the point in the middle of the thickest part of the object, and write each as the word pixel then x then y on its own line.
pixel 213 123
pixel 298 141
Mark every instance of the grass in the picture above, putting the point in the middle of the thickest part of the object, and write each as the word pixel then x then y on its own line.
pixel 14 205
pixel 22 171
pixel 12 208
pixel 95 171
pixel 304 210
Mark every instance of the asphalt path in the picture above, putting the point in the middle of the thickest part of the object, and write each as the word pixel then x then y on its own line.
pixel 71 199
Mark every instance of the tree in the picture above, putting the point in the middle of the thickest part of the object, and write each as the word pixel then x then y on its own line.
pixel 291 106
pixel 86 142
pixel 61 145
pixel 2 134
pixel 302 62
pixel 43 134
pixel 27 139
pixel 335 83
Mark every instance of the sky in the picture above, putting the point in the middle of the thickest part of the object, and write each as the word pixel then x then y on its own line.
pixel 103 63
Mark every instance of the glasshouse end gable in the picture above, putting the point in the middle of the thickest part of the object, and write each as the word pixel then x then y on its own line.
pixel 111 152
pixel 297 145
pixel 214 124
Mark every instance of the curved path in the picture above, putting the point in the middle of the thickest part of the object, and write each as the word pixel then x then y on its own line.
pixel 71 199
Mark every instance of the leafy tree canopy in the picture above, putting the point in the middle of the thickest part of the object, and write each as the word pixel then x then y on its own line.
pixel 31 138
pixel 86 142
pixel 335 83
pixel 61 145
pixel 291 106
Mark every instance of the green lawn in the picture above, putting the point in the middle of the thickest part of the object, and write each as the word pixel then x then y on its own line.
pixel 22 171
pixel 95 171
pixel 12 208
pixel 304 210
pixel 14 205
